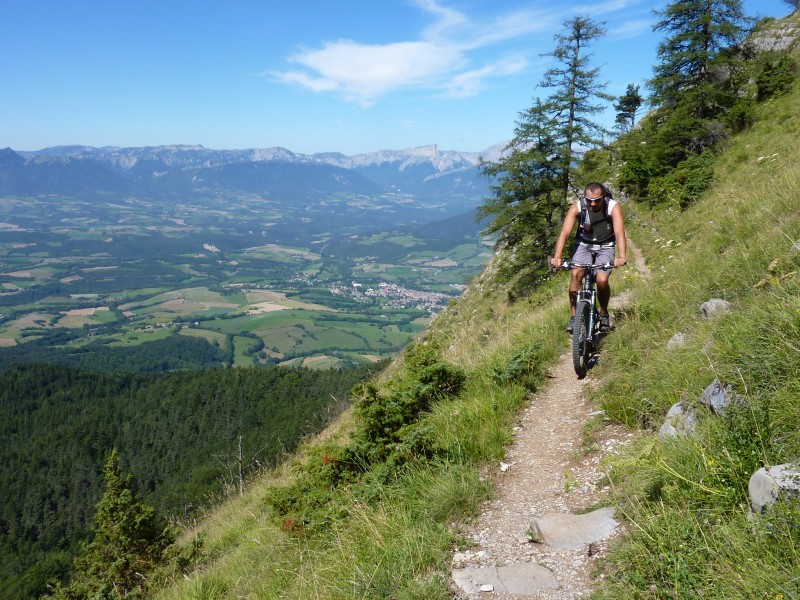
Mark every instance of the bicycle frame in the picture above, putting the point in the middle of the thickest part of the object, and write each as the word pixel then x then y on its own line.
pixel 589 293
pixel 586 320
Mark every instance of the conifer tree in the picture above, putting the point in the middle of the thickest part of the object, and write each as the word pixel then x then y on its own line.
pixel 577 92
pixel 128 543
pixel 697 34
pixel 526 198
pixel 532 181
pixel 627 106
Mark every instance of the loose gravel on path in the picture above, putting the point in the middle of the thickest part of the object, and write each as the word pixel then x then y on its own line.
pixel 547 470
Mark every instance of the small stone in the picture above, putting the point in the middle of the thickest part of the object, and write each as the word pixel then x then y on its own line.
pixel 680 421
pixel 676 341
pixel 714 308
pixel 717 397
pixel 487 587
pixel 504 467
pixel 534 532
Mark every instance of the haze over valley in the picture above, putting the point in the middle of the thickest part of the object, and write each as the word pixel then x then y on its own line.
pixel 267 255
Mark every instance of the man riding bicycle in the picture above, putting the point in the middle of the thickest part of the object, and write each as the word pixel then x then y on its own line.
pixel 601 229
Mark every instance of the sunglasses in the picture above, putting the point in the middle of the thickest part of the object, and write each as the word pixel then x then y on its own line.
pixel 593 200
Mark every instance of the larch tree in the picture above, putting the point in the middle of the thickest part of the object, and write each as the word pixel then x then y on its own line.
pixel 698 32
pixel 533 179
pixel 526 197
pixel 577 93
pixel 627 106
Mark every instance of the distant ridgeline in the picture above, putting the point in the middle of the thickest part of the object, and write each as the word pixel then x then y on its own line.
pixel 180 172
pixel 179 434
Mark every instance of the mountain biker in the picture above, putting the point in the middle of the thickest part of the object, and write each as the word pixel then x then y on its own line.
pixel 601 229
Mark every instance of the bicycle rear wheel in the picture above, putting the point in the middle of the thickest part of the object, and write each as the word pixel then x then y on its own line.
pixel 580 345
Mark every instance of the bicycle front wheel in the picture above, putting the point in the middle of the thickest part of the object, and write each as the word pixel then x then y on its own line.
pixel 580 333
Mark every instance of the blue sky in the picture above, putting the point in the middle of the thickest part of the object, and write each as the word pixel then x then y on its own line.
pixel 309 75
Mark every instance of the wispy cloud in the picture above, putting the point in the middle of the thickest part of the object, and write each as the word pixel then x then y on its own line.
pixel 446 57
pixel 364 72
pixel 631 29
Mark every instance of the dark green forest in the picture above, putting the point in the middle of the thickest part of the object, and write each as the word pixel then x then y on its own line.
pixel 172 353
pixel 177 433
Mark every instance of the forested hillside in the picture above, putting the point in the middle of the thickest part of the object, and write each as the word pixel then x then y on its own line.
pixel 186 437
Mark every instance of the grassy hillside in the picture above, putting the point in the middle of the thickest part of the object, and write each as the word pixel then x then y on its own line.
pixel 375 514
pixel 687 499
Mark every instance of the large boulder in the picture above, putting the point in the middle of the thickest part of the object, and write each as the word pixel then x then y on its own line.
pixel 769 484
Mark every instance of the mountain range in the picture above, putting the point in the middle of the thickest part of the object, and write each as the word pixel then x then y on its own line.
pixel 426 173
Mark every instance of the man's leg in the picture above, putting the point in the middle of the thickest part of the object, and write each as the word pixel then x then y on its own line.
pixel 603 291
pixel 603 296
pixel 575 284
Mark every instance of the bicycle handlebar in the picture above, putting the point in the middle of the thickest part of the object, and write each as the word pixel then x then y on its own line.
pixel 566 265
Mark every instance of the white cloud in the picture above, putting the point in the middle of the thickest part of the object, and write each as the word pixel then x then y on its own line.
pixel 362 72
pixel 445 58
pixel 631 29
pixel 469 83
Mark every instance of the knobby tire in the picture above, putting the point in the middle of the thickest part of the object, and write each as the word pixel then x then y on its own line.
pixel 580 331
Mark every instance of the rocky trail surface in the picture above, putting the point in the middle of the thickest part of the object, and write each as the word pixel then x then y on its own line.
pixel 547 524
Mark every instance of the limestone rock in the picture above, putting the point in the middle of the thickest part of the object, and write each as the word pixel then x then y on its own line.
pixel 676 341
pixel 570 532
pixel 769 485
pixel 781 37
pixel 714 308
pixel 525 579
pixel 680 421
pixel 717 397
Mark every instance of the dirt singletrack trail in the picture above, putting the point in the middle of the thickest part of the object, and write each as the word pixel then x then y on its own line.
pixel 551 478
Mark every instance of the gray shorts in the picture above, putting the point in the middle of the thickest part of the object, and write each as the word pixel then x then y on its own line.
pixel 583 255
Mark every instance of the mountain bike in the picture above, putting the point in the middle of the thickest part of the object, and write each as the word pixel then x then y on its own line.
pixel 586 325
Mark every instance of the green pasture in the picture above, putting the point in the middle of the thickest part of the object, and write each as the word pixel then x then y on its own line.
pixel 241 345
pixel 76 321
pixel 276 252
pixel 140 292
pixel 406 241
pixel 35 274
pixel 142 336
pixel 211 336
pixel 35 320
pixel 264 321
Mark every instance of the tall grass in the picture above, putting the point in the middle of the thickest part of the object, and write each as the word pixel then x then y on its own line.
pixel 686 498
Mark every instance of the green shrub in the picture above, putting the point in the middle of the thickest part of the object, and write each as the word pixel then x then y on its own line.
pixel 526 368
pixel 687 182
pixel 776 74
pixel 389 435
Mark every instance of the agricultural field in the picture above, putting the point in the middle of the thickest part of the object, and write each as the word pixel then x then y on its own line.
pixel 258 285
